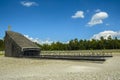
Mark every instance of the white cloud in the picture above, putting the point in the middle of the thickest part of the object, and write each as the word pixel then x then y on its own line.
pixel 29 3
pixel 47 41
pixel 98 18
pixel 78 14
pixel 106 34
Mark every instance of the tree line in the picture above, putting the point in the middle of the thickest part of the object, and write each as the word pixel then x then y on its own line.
pixel 76 44
pixel 2 45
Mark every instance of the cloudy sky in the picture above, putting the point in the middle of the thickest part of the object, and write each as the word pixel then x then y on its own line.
pixel 61 20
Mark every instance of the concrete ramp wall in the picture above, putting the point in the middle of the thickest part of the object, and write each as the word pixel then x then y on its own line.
pixel 16 45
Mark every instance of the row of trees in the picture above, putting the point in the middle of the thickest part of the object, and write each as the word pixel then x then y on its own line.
pixel 76 44
pixel 1 45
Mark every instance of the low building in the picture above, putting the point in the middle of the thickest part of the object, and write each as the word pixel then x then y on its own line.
pixel 17 45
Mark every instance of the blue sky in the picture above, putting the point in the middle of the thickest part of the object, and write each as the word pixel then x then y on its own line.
pixel 61 20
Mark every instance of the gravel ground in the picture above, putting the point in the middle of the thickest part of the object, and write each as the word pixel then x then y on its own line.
pixel 41 69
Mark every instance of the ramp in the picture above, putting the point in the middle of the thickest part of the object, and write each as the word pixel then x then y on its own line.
pixel 17 45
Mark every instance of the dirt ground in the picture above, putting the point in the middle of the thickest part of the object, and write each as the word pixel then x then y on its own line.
pixel 41 69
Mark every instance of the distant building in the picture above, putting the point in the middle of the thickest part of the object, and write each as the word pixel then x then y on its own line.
pixel 16 45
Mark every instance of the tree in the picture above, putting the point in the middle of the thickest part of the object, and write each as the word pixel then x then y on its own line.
pixel 76 44
pixel 2 45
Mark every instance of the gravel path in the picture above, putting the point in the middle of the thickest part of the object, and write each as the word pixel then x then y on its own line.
pixel 38 69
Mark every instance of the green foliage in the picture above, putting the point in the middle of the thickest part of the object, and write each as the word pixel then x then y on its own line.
pixel 76 44
pixel 1 45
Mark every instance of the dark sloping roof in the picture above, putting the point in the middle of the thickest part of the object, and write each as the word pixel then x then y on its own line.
pixel 21 40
